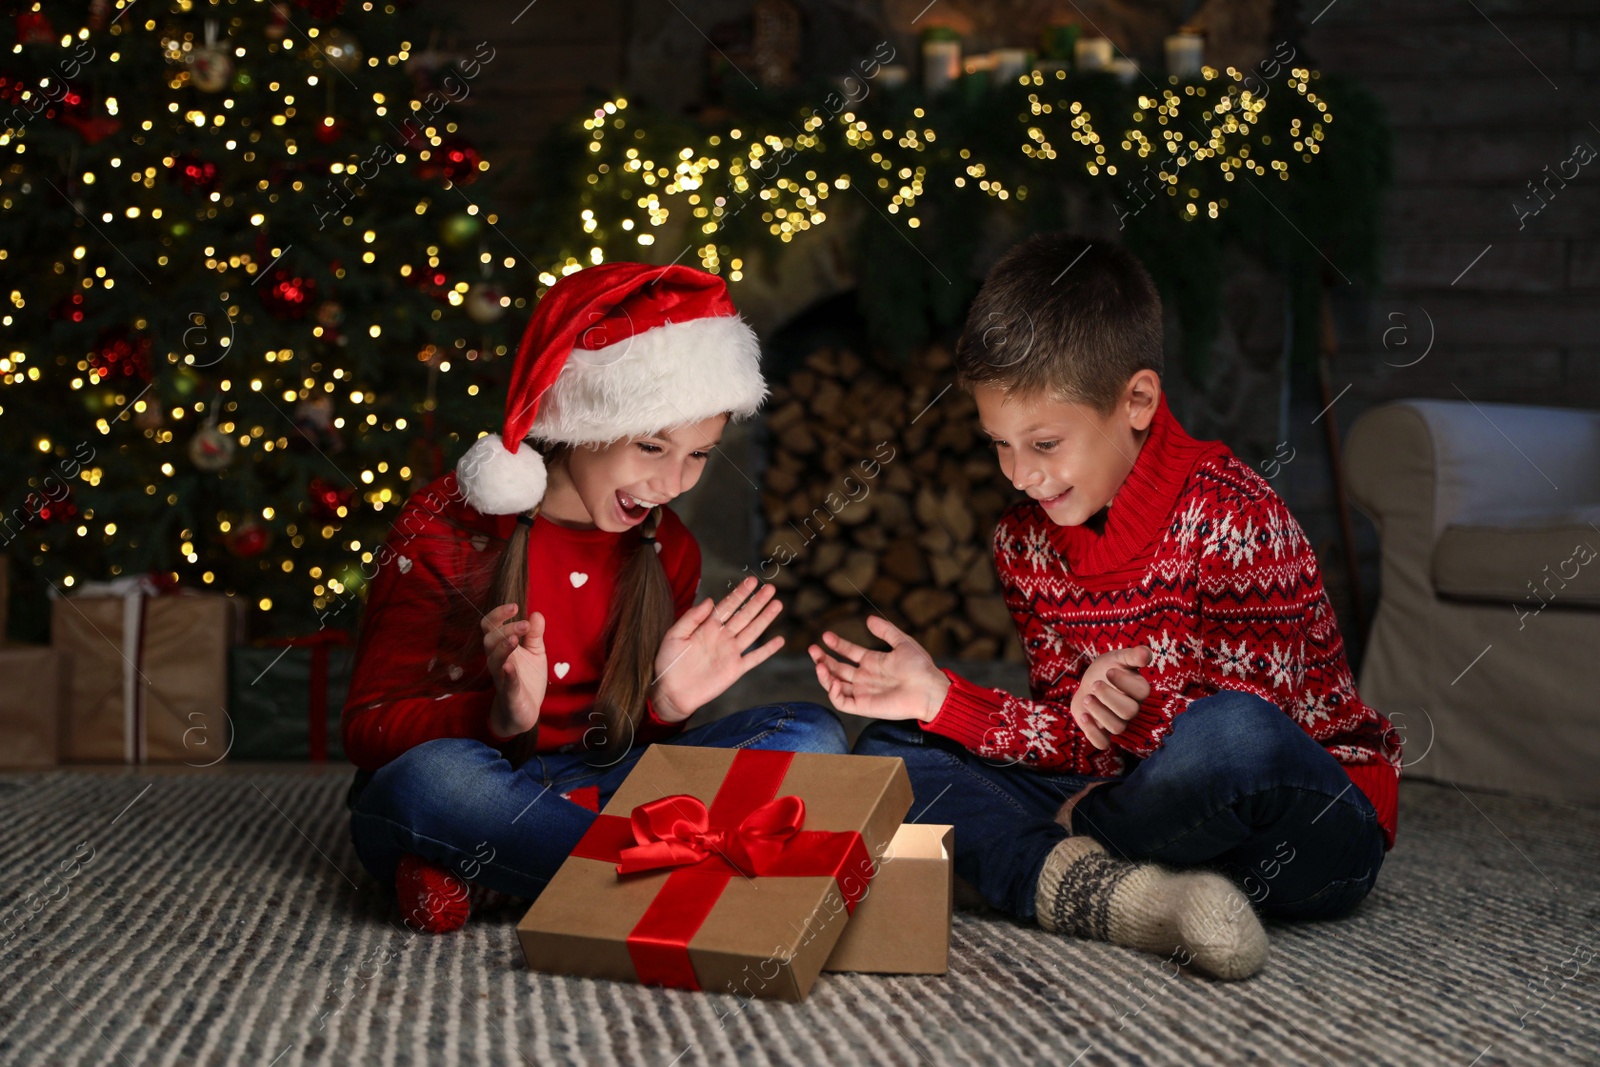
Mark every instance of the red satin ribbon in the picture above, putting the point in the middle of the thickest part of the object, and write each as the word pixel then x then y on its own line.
pixel 319 643
pixel 676 831
pixel 747 831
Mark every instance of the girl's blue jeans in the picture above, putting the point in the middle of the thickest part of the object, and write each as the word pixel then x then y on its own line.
pixel 1238 786
pixel 459 804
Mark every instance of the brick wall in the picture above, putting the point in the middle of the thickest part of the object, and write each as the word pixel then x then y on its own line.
pixel 546 54
pixel 1483 97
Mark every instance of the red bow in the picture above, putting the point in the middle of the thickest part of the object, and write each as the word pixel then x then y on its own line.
pixel 676 831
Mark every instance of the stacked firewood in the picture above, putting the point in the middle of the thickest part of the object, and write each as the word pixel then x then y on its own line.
pixel 880 497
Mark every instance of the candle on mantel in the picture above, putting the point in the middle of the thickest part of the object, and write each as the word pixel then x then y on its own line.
pixel 941 59
pixel 1185 54
pixel 1092 53
pixel 1009 64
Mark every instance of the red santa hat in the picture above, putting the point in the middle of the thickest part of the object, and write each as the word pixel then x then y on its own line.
pixel 614 351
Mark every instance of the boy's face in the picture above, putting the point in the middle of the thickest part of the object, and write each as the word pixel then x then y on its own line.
pixel 1067 456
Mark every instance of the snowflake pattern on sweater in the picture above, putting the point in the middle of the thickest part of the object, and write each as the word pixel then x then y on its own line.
pixel 1227 593
pixel 1240 606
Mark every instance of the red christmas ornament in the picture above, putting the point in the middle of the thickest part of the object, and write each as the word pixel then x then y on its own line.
pixel 434 283
pixel 321 9
pixel 288 295
pixel 455 160
pixel 43 510
pixel 248 539
pixel 70 308
pixel 327 499
pixel 92 128
pixel 120 353
pixel 77 113
pixel 34 28
pixel 330 130
pixel 197 175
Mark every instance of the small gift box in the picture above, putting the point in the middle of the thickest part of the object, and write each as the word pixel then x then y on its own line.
pixel 286 695
pixel 147 673
pixel 902 925
pixel 729 870
pixel 30 705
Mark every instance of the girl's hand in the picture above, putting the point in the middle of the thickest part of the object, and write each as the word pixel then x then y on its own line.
pixel 902 683
pixel 519 667
pixel 705 651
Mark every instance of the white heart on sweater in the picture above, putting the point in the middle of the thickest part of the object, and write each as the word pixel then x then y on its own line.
pixel 658 548
pixel 577 578
pixel 479 542
pixel 454 672
pixel 405 565
pixel 561 669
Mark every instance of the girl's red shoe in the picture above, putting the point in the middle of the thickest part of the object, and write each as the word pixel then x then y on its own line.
pixel 432 898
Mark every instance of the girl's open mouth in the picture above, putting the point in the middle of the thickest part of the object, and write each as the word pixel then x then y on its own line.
pixel 631 510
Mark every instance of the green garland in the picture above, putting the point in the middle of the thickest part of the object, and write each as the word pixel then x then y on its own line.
pixel 1290 169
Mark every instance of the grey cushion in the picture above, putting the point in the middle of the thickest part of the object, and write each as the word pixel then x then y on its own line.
pixel 1529 558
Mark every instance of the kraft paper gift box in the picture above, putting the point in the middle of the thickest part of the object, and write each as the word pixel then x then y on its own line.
pixel 902 925
pixel 286 696
pixel 147 675
pixel 30 705
pixel 728 870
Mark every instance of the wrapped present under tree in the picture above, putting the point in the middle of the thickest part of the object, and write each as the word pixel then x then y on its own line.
pixel 286 696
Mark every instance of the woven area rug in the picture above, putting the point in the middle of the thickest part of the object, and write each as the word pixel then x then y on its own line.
pixel 206 920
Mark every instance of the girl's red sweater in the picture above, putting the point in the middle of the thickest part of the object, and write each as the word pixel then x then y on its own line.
pixel 420 670
pixel 1200 560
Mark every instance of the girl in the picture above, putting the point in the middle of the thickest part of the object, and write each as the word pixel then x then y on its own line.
pixel 531 627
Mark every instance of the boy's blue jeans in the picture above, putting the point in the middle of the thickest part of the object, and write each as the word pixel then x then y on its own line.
pixel 1238 786
pixel 460 804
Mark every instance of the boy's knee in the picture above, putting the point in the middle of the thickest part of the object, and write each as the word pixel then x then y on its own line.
pixel 1240 734
pixel 1232 714
pixel 883 737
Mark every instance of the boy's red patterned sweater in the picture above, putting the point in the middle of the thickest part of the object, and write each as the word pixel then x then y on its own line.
pixel 1200 560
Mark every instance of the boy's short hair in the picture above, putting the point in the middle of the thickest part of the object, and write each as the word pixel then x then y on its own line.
pixel 1063 316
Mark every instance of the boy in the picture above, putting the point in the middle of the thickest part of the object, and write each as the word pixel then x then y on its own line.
pixel 1192 710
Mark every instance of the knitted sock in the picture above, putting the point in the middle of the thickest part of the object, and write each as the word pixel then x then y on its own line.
pixel 431 897
pixel 1199 915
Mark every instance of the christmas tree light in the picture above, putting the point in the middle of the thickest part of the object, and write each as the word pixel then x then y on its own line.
pixel 210 212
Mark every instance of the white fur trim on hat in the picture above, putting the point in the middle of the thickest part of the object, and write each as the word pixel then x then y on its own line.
pixel 495 481
pixel 673 375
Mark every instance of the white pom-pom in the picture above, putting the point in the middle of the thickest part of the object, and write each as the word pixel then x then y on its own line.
pixel 495 481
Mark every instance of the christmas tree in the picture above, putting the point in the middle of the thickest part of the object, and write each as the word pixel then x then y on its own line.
pixel 250 284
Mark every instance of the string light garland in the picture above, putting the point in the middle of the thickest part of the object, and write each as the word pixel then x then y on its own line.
pixel 1197 136
pixel 1180 168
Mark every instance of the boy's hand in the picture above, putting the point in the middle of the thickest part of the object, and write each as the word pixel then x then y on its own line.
pixel 706 650
pixel 519 666
pixel 902 683
pixel 1109 693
